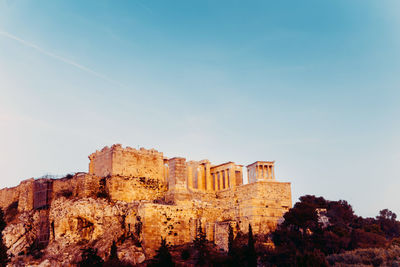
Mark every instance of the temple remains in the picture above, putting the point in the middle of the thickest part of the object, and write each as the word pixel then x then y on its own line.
pixel 168 197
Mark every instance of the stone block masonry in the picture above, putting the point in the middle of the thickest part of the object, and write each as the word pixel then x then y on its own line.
pixel 167 197
pixel 127 162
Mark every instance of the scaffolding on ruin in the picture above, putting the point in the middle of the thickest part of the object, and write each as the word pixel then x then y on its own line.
pixel 42 193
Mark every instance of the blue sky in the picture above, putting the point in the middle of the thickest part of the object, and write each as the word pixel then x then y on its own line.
pixel 313 85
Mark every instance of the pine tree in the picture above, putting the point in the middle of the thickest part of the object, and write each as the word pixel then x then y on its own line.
pixel 3 249
pixel 163 256
pixel 251 252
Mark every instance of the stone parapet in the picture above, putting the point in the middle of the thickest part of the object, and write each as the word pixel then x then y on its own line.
pixel 116 160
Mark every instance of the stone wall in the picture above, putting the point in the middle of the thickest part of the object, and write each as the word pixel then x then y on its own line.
pixel 261 204
pixel 126 187
pixel 128 161
pixel 138 163
pixel 174 223
pixel 23 194
pixel 101 162
pixel 8 196
pixel 129 189
pixel 177 174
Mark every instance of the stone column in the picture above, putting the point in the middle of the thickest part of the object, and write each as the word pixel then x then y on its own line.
pixel 262 171
pixel 200 178
pixel 273 172
pixel 214 175
pixel 228 178
pixel 269 172
pixel 219 180
pixel 223 179
pixel 232 177
pixel 190 177
pixel 208 177
pixel 216 181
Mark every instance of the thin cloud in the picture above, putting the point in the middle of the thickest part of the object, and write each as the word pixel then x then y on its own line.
pixel 62 59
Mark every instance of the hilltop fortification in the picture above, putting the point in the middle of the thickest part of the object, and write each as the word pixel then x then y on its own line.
pixel 138 196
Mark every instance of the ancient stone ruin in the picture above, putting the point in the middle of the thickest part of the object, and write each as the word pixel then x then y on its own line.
pixel 142 195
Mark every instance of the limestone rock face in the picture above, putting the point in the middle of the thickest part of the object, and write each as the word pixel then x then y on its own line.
pixel 20 235
pixel 75 225
pixel 93 222
pixel 135 197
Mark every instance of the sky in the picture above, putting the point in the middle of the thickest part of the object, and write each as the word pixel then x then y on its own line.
pixel 313 85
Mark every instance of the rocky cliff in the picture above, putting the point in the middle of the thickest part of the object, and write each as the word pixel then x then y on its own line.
pixel 50 221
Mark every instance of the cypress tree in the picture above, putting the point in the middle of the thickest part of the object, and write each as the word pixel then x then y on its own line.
pixel 251 252
pixel 230 241
pixel 200 245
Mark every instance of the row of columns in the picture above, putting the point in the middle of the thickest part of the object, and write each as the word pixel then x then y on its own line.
pixel 267 172
pixel 202 173
pixel 208 181
pixel 224 179
pixel 261 171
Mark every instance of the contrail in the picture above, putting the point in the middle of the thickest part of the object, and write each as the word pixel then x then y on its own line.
pixel 65 60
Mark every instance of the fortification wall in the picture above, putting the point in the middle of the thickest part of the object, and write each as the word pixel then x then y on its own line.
pixel 138 163
pixel 8 196
pixel 23 194
pixel 101 162
pixel 128 161
pixel 80 185
pixel 129 189
pixel 25 200
pixel 133 184
pixel 261 204
pixel 178 224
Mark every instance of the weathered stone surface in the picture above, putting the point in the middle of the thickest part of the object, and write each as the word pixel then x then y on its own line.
pixel 135 197
pixel 127 162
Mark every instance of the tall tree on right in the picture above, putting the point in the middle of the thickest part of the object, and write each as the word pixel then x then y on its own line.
pixel 3 249
pixel 251 251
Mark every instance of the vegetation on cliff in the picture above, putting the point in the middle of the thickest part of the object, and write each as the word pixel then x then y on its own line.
pixel 315 232
pixel 163 256
pixel 315 228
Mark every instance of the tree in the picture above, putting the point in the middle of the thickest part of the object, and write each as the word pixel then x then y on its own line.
pixel 251 252
pixel 388 224
pixel 113 260
pixel 90 258
pixel 230 241
pixel 387 214
pixel 113 251
pixel 3 249
pixel 163 256
pixel 200 244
